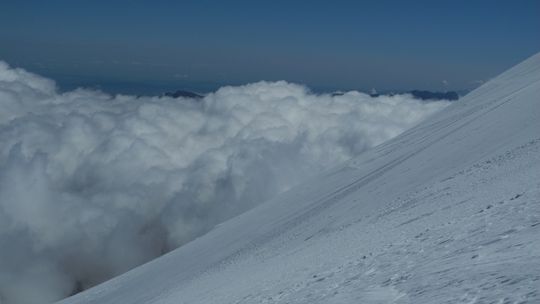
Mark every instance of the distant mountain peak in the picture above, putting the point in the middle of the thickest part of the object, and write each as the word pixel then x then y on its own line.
pixel 183 93
pixel 428 95
pixel 423 95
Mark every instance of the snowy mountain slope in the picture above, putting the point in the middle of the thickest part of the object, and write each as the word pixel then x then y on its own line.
pixel 448 212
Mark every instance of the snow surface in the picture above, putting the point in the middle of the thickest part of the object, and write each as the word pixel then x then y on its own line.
pixel 447 212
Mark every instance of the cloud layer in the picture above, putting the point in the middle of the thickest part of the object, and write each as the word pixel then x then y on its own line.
pixel 92 185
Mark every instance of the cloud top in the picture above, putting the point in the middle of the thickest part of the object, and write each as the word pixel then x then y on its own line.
pixel 92 185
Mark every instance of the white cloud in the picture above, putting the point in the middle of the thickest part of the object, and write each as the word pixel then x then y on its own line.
pixel 92 185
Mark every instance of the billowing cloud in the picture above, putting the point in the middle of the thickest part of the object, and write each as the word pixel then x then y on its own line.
pixel 92 185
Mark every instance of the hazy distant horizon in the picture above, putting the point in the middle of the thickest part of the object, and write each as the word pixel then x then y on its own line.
pixel 67 83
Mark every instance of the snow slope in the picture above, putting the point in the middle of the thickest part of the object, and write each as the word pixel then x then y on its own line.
pixel 447 212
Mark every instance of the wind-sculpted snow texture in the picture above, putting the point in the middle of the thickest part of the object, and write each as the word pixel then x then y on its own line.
pixel 447 212
pixel 92 185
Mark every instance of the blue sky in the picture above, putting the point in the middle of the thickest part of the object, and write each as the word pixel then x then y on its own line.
pixel 151 45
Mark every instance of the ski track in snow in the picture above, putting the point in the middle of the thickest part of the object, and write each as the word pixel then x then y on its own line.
pixel 472 251
pixel 448 212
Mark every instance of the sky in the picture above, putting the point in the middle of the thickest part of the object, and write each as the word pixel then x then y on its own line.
pixel 149 46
